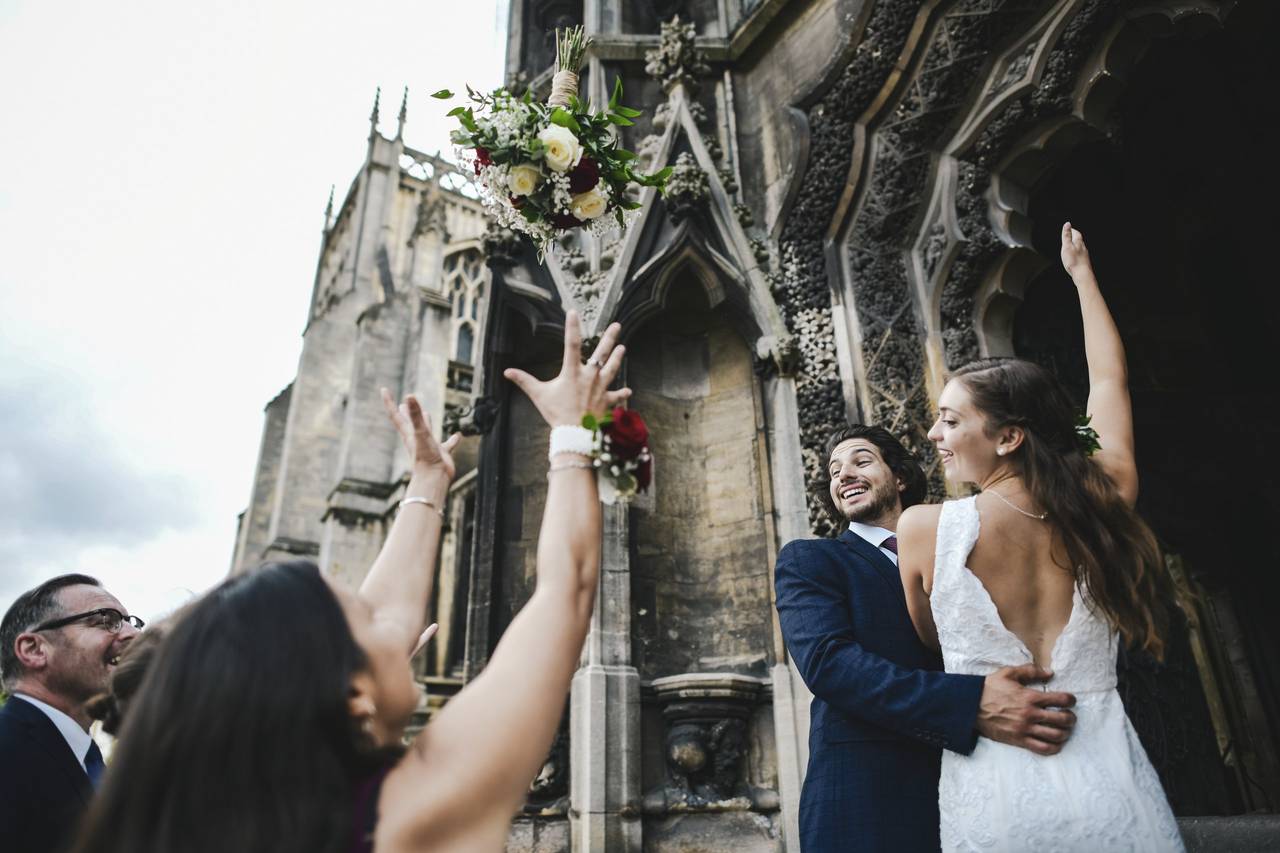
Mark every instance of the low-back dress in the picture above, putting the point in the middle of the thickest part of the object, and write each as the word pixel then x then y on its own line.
pixel 1100 793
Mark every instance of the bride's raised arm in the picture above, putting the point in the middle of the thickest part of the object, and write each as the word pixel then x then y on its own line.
pixel 1109 407
pixel 469 771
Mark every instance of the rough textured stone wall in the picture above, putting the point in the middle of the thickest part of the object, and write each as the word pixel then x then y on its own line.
pixel 700 580
pixel 255 526
pixel 523 496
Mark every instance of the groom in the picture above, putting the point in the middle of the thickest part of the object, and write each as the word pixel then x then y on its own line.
pixel 882 709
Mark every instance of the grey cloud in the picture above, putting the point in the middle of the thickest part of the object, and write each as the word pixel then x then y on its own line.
pixel 66 484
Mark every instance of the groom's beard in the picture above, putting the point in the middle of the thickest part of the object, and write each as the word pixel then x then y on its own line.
pixel 883 503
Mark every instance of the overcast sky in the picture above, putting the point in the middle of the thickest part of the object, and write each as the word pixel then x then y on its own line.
pixel 164 166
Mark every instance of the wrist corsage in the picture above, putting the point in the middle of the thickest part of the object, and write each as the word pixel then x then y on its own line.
pixel 624 463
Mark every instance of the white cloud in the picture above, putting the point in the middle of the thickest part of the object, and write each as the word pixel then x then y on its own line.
pixel 166 167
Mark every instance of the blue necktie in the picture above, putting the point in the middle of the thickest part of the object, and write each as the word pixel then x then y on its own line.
pixel 94 765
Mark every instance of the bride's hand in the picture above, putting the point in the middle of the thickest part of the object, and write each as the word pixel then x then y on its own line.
pixel 580 388
pixel 425 453
pixel 1075 255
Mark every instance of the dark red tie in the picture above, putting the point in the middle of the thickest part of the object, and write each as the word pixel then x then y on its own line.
pixel 890 544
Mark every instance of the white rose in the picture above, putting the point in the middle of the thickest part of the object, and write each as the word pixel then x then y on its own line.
pixel 560 147
pixel 523 179
pixel 590 204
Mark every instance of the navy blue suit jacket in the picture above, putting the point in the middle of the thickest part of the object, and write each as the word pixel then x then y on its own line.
pixel 882 709
pixel 43 787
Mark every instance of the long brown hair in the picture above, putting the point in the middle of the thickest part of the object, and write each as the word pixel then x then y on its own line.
pixel 238 737
pixel 1112 553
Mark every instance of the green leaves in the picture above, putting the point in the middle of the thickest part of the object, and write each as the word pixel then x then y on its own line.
pixel 443 94
pixel 594 422
pixel 1086 436
pixel 564 118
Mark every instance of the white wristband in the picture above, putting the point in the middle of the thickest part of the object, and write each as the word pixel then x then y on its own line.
pixel 571 439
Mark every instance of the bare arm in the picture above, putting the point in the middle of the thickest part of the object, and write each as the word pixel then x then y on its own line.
pixel 469 770
pixel 917 532
pixel 398 586
pixel 1109 407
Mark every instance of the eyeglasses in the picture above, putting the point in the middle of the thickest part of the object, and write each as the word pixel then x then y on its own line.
pixel 107 618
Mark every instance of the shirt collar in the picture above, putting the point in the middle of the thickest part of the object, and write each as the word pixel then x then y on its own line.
pixel 874 535
pixel 77 738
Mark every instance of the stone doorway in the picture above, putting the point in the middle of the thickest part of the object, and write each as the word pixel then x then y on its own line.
pixel 1177 206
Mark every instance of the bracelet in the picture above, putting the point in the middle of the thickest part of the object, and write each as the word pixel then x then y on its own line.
pixel 568 438
pixel 427 502
pixel 567 466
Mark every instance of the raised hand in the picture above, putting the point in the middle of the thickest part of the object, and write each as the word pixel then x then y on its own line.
pixel 415 431
pixel 1075 255
pixel 580 388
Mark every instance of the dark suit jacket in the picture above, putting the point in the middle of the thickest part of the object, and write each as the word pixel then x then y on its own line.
pixel 882 710
pixel 43 788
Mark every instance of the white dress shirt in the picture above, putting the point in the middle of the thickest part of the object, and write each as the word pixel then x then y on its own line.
pixel 77 738
pixel 876 536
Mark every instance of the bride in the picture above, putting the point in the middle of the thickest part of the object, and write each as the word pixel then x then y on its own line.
pixel 1050 565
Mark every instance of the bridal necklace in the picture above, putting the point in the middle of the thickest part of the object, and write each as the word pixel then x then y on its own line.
pixel 1039 516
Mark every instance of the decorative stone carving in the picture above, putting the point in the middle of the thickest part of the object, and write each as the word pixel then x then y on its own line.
pixel 981 246
pixel 500 246
pixel 677 59
pixel 476 420
pixel 549 790
pixel 777 356
pixel 431 216
pixel 706 716
pixel 688 188
pixel 802 283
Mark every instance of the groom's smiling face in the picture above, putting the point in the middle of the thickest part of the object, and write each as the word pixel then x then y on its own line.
pixel 863 487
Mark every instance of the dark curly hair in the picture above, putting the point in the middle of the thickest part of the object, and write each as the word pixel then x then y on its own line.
pixel 901 461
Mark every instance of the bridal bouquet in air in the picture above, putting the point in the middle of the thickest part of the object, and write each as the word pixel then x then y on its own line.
pixel 545 168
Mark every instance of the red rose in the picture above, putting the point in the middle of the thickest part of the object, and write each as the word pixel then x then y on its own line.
pixel 584 176
pixel 516 201
pixel 482 158
pixel 644 475
pixel 627 433
pixel 565 220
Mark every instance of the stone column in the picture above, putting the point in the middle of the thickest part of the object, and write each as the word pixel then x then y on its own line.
pixel 604 711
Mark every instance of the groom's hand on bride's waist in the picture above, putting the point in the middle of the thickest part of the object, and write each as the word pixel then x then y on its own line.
pixel 1013 713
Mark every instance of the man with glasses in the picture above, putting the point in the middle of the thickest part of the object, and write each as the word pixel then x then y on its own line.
pixel 58 646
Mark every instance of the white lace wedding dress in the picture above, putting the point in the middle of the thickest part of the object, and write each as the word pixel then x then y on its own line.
pixel 1100 792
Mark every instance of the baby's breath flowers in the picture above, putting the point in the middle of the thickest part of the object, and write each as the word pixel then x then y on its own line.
pixel 543 168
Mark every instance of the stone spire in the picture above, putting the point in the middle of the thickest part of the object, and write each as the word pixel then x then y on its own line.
pixel 328 210
pixel 404 114
pixel 373 116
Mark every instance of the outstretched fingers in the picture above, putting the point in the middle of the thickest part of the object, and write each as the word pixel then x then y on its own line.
pixel 616 398
pixel 609 370
pixel 572 343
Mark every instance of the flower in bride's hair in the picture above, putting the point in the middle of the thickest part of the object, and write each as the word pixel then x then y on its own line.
pixel 590 204
pixel 482 158
pixel 523 179
pixel 560 148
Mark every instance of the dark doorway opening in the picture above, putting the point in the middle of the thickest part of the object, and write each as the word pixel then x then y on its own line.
pixel 1178 209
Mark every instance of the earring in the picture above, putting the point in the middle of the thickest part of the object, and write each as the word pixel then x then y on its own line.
pixel 1000 451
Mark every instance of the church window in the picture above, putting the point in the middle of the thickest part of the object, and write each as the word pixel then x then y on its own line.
pixel 466 339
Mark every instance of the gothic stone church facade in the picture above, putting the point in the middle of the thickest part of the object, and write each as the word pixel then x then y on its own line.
pixel 866 193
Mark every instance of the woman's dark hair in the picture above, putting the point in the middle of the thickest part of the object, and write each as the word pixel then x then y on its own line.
pixel 110 707
pixel 1111 551
pixel 901 462
pixel 239 737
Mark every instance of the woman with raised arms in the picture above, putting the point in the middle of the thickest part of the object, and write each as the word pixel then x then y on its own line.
pixel 272 716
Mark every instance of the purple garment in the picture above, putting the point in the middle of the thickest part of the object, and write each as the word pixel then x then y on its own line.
pixel 364 813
